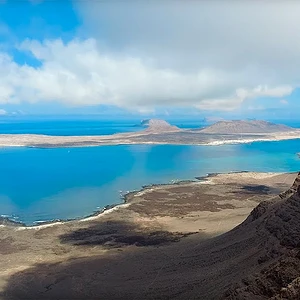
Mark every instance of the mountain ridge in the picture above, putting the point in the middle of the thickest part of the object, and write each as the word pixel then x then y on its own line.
pixel 278 266
pixel 245 126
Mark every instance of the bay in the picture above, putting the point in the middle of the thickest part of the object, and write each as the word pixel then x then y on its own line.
pixel 63 183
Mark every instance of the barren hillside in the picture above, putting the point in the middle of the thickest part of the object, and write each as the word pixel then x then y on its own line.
pixel 239 127
pixel 259 259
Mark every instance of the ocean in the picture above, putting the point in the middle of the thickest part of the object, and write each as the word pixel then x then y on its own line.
pixel 82 126
pixel 66 183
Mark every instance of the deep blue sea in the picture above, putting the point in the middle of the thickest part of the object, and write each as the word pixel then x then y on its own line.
pixel 89 126
pixel 62 183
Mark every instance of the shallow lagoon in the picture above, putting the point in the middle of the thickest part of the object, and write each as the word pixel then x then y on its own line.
pixel 46 184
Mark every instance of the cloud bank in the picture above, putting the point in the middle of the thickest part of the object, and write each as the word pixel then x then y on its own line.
pixel 3 112
pixel 136 55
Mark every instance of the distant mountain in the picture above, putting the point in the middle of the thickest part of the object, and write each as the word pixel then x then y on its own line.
pixel 241 126
pixel 157 126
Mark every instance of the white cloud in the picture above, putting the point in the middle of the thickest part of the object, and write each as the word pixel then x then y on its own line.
pixel 232 35
pixel 78 73
pixel 256 107
pixel 284 102
pixel 210 55
pixel 3 112
pixel 264 91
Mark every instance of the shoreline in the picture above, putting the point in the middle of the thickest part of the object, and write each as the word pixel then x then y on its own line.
pixel 7 222
pixel 107 209
pixel 183 137
pixel 166 232
pixel 214 143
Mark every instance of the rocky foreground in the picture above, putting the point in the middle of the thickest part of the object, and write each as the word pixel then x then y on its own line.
pixel 166 243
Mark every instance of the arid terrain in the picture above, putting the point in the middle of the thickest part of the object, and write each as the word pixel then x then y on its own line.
pixel 180 241
pixel 160 132
pixel 244 127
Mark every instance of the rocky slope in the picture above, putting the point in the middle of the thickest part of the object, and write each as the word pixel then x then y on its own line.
pixel 278 266
pixel 240 127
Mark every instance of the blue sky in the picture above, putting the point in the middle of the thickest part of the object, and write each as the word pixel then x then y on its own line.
pixel 150 58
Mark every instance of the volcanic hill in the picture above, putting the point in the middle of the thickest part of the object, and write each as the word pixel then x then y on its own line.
pixel 241 126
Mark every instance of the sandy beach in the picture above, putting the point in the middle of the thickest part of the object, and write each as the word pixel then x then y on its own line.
pixel 156 220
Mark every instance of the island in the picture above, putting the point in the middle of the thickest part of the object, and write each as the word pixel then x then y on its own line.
pixel 160 132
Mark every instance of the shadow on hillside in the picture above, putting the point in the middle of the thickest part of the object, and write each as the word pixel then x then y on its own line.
pixel 111 277
pixel 127 274
pixel 258 190
pixel 117 234
pixel 193 268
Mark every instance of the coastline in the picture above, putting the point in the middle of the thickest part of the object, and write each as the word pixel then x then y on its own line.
pixel 209 179
pixel 164 233
pixel 183 137
pixel 178 217
pixel 6 221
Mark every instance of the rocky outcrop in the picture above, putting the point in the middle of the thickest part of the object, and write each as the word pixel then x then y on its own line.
pixel 7 222
pixel 246 127
pixel 258 211
pixel 279 281
pixel 294 188
pixel 278 270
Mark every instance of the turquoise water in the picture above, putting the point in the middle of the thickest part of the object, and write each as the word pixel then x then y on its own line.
pixel 65 127
pixel 47 184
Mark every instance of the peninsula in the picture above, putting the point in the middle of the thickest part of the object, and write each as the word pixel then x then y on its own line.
pixel 161 132
pixel 167 242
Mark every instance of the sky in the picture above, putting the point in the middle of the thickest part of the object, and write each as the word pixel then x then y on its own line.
pixel 231 59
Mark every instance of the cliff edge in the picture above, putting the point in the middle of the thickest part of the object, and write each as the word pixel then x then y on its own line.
pixel 277 274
